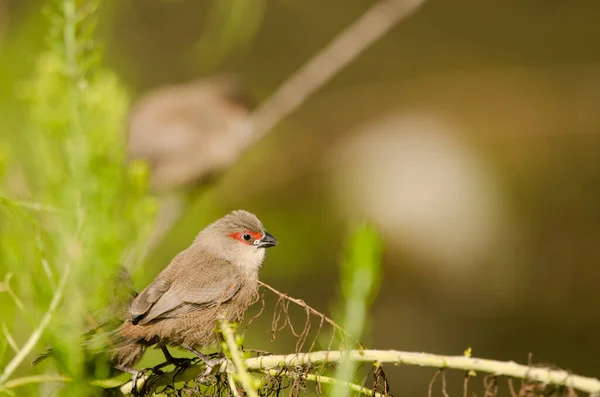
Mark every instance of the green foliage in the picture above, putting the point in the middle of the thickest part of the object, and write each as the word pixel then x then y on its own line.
pixel 360 281
pixel 77 207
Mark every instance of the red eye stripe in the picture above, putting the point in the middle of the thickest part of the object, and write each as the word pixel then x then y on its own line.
pixel 255 235
pixel 240 236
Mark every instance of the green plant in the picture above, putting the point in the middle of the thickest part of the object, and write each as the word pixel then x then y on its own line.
pixel 361 273
pixel 82 207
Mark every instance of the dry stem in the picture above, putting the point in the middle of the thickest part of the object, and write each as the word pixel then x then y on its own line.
pixel 498 368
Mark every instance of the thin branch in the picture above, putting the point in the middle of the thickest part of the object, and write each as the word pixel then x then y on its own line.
pixel 315 312
pixel 340 52
pixel 28 380
pixel 500 368
pixel 243 375
pixel 31 206
pixel 232 386
pixel 5 287
pixel 36 379
pixel 40 246
pixel 510 368
pixel 37 334
pixel 9 338
pixel 325 379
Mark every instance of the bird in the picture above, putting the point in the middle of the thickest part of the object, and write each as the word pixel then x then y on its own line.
pixel 191 131
pixel 216 276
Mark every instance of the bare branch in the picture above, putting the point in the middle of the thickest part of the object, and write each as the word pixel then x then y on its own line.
pixel 312 311
pixel 344 48
pixel 543 375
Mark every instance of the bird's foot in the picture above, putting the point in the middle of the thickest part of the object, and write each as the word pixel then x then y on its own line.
pixel 211 362
pixel 207 378
pixel 136 375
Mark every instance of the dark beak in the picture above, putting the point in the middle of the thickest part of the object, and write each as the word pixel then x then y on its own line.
pixel 266 241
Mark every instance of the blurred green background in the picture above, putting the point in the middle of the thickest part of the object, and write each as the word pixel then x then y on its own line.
pixel 469 135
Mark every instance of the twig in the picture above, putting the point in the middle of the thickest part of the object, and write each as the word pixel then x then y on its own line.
pixel 499 368
pixel 31 206
pixel 34 379
pixel 5 287
pixel 232 386
pixel 342 50
pixel 9 338
pixel 40 246
pixel 37 334
pixel 236 358
pixel 315 312
pixel 27 380
pixel 326 379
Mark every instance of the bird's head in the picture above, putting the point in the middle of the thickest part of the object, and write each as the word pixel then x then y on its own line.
pixel 240 238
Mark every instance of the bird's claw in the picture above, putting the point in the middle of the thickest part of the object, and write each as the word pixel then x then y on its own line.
pixel 211 364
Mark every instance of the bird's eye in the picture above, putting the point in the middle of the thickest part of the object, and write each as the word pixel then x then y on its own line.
pixel 247 237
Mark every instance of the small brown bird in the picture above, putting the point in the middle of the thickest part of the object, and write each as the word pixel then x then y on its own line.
pixel 191 131
pixel 216 276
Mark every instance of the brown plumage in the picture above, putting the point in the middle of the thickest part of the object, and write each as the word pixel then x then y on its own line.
pixel 217 275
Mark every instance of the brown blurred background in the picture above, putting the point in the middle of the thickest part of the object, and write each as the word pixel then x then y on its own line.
pixel 470 135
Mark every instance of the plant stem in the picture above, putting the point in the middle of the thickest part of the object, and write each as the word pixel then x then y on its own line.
pixel 500 368
pixel 37 334
pixel 243 375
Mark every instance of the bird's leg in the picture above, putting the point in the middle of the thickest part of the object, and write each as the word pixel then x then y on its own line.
pixel 127 369
pixel 207 360
pixel 211 363
pixel 178 362
pixel 135 376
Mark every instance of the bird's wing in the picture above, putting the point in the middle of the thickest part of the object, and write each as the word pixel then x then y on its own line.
pixel 144 302
pixel 210 285
pixel 173 303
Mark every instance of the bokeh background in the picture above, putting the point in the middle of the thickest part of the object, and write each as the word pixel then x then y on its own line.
pixel 470 135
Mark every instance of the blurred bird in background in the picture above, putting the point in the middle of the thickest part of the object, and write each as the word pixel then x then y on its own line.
pixel 190 132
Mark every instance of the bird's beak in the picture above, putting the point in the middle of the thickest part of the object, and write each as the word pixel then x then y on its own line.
pixel 266 241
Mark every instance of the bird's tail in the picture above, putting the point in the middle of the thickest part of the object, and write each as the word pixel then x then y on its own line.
pixel 102 336
pixel 127 353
